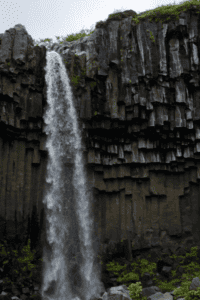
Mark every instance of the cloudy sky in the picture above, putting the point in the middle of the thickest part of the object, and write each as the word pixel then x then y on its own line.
pixel 50 18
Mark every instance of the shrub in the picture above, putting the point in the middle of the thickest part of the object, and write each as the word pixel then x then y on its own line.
pixel 135 290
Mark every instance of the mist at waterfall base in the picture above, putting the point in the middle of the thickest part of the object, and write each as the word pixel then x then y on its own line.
pixel 69 271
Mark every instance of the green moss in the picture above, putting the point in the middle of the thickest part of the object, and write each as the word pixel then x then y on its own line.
pixel 165 13
pixel 114 15
pixel 75 79
pixel 92 84
pixel 151 36
pixel 69 38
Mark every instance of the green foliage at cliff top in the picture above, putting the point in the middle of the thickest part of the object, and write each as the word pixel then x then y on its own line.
pixel 162 13
pixel 165 13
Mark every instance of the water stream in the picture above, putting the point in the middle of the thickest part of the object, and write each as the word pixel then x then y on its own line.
pixel 69 272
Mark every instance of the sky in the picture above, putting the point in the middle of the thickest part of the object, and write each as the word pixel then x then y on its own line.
pixel 49 18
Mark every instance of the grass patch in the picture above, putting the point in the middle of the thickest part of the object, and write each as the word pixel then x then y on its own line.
pixel 167 12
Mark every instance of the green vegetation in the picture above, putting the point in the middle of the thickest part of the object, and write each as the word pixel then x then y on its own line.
pixel 21 271
pixel 192 270
pixel 164 13
pixel 135 289
pixel 21 267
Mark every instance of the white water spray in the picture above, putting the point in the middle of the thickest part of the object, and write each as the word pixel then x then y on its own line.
pixel 69 271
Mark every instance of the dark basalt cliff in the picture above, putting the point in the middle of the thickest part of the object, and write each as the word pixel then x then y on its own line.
pixel 137 95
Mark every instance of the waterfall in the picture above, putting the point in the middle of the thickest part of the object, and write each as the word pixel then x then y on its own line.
pixel 69 271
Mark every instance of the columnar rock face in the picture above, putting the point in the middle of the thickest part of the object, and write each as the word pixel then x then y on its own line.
pixel 23 156
pixel 136 91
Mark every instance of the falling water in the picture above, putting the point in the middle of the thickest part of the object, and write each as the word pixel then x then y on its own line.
pixel 69 271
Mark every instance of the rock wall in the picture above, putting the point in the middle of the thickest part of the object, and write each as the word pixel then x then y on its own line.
pixel 136 91
pixel 23 156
